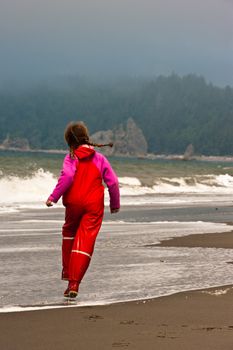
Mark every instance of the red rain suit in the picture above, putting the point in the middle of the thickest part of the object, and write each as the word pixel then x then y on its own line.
pixel 80 183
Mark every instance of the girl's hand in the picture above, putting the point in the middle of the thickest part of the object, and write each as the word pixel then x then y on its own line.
pixel 114 211
pixel 49 203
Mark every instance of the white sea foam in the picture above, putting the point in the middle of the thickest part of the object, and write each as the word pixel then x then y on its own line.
pixel 190 184
pixel 28 189
pixel 30 249
pixel 28 230
pixel 217 292
pixel 195 184
pixel 44 221
pixel 31 192
pixel 130 181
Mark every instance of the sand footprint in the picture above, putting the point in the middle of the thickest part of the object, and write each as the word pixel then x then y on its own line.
pixel 120 345
pixel 94 317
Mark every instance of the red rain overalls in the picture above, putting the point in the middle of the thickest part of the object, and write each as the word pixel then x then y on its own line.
pixel 84 203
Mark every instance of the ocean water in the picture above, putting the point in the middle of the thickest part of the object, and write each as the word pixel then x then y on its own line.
pixel 160 199
pixel 26 180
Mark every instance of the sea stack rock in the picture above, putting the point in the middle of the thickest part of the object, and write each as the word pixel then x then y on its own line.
pixel 136 142
pixel 16 143
pixel 189 152
pixel 128 140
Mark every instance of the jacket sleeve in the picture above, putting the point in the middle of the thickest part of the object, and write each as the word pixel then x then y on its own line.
pixel 65 179
pixel 111 180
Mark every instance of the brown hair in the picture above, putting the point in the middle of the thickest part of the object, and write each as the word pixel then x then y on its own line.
pixel 76 134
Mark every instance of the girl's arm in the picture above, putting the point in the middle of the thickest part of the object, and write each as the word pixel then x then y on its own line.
pixel 65 180
pixel 111 180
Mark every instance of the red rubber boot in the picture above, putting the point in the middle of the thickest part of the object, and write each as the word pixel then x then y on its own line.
pixel 72 290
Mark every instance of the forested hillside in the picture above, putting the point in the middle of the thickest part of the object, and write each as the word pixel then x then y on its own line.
pixel 172 112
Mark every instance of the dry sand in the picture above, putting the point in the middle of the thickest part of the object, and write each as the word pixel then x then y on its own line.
pixel 200 320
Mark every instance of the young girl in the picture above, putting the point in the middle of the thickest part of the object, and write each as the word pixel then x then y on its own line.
pixel 80 184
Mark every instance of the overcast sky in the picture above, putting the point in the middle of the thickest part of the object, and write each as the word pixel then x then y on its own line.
pixel 40 38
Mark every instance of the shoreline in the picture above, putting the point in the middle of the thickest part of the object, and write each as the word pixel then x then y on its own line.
pixel 200 319
pixel 211 290
pixel 223 240
pixel 148 156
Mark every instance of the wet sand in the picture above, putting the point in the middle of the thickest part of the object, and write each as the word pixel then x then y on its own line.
pixel 200 320
pixel 208 240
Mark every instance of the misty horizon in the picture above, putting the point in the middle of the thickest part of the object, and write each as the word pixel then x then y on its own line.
pixel 108 40
pixel 76 80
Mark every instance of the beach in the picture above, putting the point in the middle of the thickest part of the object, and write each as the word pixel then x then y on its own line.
pixel 198 319
pixel 194 320
pixel 161 275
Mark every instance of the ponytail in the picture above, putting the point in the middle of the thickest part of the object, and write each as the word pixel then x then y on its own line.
pixel 110 144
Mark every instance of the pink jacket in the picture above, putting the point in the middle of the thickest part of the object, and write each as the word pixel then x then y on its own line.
pixel 70 166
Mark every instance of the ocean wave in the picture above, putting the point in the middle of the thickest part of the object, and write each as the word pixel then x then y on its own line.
pixel 35 188
pixel 195 184
pixel 32 192
pixel 189 184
